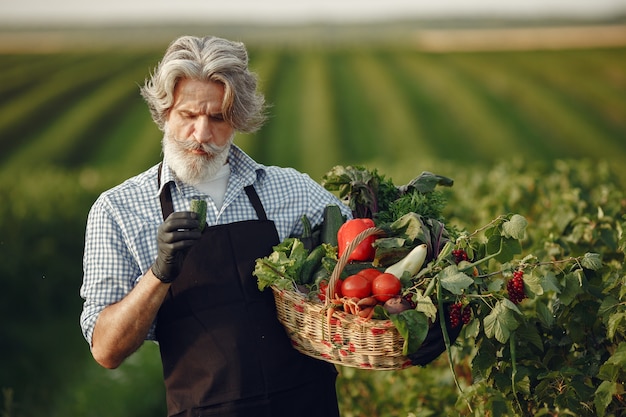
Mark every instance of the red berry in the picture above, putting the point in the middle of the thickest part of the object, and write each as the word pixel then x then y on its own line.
pixel 459 255
pixel 455 314
pixel 466 314
pixel 515 287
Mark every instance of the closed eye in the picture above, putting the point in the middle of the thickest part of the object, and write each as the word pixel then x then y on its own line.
pixel 188 115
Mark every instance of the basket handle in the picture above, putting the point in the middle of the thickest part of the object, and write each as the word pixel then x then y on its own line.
pixel 343 260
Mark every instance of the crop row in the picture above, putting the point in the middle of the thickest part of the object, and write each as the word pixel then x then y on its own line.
pixel 331 106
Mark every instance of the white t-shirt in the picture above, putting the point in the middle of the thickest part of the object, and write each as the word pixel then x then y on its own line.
pixel 216 186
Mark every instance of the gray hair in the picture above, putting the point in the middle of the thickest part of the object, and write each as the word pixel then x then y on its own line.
pixel 207 59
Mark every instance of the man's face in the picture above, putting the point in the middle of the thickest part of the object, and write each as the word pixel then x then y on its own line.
pixel 197 137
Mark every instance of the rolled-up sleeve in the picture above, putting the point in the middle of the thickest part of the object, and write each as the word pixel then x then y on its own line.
pixel 109 269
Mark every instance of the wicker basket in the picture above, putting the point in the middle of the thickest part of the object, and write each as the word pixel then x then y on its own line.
pixel 344 338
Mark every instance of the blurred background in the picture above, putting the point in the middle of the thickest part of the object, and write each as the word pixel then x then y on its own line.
pixel 453 87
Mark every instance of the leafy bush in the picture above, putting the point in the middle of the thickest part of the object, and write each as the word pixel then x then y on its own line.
pixel 565 355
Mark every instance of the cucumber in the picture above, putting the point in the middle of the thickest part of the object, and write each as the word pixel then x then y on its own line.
pixel 312 262
pixel 199 206
pixel 307 235
pixel 333 219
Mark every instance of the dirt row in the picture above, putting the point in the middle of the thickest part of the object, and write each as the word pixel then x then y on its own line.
pixel 521 38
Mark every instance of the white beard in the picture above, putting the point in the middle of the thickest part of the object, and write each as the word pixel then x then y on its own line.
pixel 189 167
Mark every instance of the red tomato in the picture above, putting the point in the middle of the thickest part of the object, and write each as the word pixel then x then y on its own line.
pixel 386 286
pixel 324 286
pixel 369 273
pixel 356 286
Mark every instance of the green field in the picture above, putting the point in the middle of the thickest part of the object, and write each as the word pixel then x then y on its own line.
pixel 332 106
pixel 73 124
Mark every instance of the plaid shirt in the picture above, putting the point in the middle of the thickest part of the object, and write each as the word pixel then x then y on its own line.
pixel 120 239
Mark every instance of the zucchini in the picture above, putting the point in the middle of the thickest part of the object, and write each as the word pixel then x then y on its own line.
pixel 411 263
pixel 333 219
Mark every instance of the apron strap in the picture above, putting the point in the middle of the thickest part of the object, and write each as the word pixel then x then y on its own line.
pixel 256 202
pixel 167 206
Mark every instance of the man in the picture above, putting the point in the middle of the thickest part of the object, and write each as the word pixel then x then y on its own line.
pixel 151 274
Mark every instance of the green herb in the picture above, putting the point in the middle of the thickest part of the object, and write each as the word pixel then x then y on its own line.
pixel 372 195
pixel 429 205
pixel 282 267
pixel 365 192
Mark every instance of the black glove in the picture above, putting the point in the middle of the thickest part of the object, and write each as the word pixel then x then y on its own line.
pixel 434 345
pixel 174 237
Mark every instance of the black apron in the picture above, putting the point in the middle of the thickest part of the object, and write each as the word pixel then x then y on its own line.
pixel 223 350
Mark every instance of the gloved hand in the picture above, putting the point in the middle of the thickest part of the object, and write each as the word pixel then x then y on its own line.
pixel 434 345
pixel 174 238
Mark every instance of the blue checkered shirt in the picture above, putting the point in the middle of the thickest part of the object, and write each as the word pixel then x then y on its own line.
pixel 120 240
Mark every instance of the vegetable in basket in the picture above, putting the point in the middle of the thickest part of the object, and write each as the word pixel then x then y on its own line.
pixel 411 263
pixel 372 195
pixel 348 231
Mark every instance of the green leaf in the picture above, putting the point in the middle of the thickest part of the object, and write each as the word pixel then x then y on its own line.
pixel 510 248
pixel 424 304
pixel 604 396
pixel 505 248
pixel 523 385
pixel 592 261
pixel 454 280
pixel 413 327
pixel 619 356
pixel 282 266
pixel 549 282
pixel 427 181
pixel 571 289
pixel 544 314
pixel 484 360
pixel 389 242
pixel 608 305
pixel 496 285
pixel 510 305
pixel 529 334
pixel 614 323
pixel 500 322
pixel 515 227
pixel 494 243
pixel 533 283
pixel 411 226
pixel 499 407
pixel 472 329
pixel 609 372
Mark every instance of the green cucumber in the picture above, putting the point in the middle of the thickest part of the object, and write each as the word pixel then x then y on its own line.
pixel 199 206
pixel 311 264
pixel 333 219
pixel 307 235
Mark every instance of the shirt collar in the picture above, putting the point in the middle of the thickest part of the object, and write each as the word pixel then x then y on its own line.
pixel 242 166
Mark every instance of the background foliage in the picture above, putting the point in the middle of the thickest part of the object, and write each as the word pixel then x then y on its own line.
pixel 539 133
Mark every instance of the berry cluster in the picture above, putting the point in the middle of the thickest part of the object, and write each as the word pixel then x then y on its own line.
pixel 460 313
pixel 515 287
pixel 459 255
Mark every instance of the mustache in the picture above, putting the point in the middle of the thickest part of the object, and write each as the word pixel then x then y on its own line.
pixel 192 145
pixel 209 148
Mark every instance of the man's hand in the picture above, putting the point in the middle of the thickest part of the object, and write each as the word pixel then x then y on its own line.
pixel 174 237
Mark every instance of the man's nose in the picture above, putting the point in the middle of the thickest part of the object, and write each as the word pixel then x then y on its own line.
pixel 203 129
